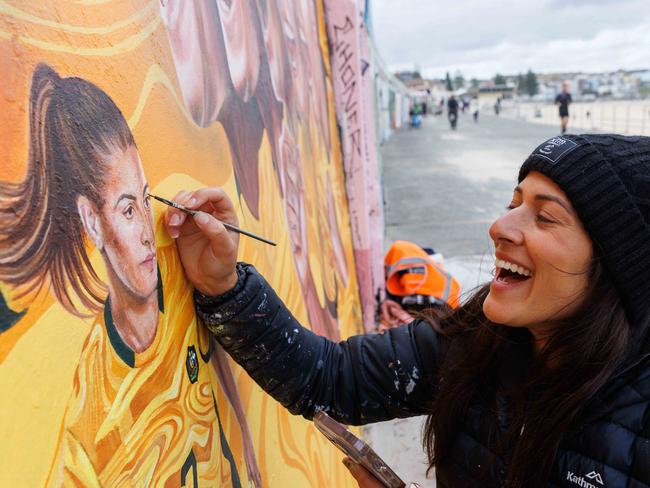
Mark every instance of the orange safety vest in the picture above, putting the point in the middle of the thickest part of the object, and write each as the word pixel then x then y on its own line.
pixel 411 271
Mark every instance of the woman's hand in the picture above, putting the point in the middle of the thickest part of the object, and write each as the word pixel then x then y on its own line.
pixel 392 314
pixel 208 251
pixel 365 478
pixel 362 475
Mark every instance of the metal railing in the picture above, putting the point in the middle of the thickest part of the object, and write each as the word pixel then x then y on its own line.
pixel 630 117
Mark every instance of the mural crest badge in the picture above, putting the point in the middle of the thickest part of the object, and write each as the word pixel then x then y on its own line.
pixel 192 364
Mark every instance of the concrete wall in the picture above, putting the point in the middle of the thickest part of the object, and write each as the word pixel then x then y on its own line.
pixel 106 376
pixel 393 98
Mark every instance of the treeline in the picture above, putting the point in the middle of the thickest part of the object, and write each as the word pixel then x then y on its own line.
pixel 524 83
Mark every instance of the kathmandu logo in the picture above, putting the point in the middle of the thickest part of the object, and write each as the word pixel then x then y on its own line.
pixel 555 148
pixel 582 482
pixel 192 364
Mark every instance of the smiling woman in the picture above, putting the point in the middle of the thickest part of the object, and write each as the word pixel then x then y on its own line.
pixel 541 378
pixel 543 258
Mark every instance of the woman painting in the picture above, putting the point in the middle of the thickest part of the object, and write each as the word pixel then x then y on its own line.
pixel 540 379
pixel 143 408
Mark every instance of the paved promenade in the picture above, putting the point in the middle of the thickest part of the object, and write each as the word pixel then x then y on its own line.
pixel 443 189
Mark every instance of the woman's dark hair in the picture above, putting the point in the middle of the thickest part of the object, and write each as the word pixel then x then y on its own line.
pixel 579 357
pixel 74 127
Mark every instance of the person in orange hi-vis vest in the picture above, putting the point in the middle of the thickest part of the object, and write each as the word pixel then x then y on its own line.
pixel 414 281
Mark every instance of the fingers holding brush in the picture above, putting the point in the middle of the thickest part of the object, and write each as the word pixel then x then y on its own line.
pixel 211 201
pixel 176 218
pixel 214 230
pixel 214 201
pixel 207 250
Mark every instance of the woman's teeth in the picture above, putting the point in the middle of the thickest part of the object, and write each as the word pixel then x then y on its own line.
pixel 515 268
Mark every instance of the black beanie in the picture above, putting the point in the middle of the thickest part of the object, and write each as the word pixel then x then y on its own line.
pixel 607 179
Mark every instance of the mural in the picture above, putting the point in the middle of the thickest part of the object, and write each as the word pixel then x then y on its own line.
pixel 353 74
pixel 106 376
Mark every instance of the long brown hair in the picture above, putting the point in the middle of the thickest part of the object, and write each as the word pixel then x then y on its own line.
pixel 584 351
pixel 73 128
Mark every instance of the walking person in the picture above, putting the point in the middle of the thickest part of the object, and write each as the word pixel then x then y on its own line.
pixel 452 111
pixel 562 101
pixel 540 379
pixel 474 109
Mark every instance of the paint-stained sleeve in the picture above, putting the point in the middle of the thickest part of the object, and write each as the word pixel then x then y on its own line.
pixel 367 378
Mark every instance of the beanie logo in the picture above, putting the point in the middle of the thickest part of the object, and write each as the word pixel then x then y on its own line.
pixel 555 148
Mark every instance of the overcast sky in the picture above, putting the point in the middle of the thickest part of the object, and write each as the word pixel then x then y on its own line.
pixel 481 37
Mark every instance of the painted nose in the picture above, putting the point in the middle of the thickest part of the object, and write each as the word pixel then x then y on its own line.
pixel 507 229
pixel 147 233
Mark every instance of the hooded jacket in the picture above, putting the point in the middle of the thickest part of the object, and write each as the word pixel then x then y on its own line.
pixel 376 377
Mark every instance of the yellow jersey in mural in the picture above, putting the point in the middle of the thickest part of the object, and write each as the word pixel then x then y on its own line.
pixel 150 418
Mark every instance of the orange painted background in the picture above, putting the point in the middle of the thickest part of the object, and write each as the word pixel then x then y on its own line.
pixel 261 124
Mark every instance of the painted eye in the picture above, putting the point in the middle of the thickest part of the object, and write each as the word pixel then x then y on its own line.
pixel 129 212
pixel 147 201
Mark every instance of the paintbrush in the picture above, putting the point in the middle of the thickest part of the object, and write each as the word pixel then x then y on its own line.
pixel 227 226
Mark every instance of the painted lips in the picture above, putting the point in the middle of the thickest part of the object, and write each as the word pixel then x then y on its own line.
pixel 149 262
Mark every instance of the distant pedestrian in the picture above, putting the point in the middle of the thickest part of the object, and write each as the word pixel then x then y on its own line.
pixel 414 113
pixel 452 111
pixel 497 106
pixel 473 108
pixel 562 101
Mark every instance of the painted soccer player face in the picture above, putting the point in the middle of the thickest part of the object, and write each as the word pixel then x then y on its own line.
pixel 313 64
pixel 242 42
pixel 123 228
pixel 291 183
pixel 197 46
pixel 543 258
pixel 292 42
pixel 276 51
pixel 334 235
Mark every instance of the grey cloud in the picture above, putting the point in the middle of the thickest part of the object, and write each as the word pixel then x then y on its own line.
pixel 461 33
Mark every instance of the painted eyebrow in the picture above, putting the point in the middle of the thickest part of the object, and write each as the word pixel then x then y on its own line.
pixel 549 198
pixel 122 196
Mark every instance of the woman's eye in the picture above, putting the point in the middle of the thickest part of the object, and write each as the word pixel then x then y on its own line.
pixel 147 201
pixel 511 206
pixel 128 213
pixel 544 220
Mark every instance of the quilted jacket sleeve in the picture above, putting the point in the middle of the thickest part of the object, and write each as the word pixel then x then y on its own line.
pixel 364 379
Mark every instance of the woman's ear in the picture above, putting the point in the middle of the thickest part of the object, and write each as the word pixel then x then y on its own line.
pixel 90 221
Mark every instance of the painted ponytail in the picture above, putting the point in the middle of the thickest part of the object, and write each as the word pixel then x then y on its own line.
pixel 74 127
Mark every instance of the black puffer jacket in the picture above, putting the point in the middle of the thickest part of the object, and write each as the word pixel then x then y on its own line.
pixel 383 376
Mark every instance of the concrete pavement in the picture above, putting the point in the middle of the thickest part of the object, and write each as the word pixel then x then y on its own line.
pixel 443 189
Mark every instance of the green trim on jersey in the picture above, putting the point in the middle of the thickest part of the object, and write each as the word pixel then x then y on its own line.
pixel 125 353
